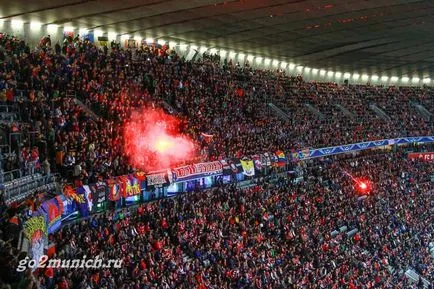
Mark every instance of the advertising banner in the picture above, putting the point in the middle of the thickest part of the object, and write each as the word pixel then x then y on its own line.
pixel 197 171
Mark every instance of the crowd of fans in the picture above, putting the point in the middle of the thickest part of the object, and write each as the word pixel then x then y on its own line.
pixel 269 235
pixel 226 101
pixel 74 99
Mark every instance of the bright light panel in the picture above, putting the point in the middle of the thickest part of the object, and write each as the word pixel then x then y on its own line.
pixel 347 75
pixel 161 41
pixel 275 62
pixel 250 57
pixel 356 76
pixel 258 59
pixel 138 38
pixel 365 77
pixel 426 80
pixel 83 31
pixel 330 73
pixel 374 77
pixel 149 40
pixel 203 49
pixel 405 79
pixel 307 69
pixel 315 71
pixel 35 25
pixel 299 68
pixel 415 79
pixel 112 35
pixel 52 28
pixel 394 79
pixel 322 72
pixel 338 74
pixel 97 33
pixel 291 66
pixel 384 78
pixel 172 44
pixel 68 29
pixel 17 24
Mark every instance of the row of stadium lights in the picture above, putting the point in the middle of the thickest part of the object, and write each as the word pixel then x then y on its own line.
pixel 53 28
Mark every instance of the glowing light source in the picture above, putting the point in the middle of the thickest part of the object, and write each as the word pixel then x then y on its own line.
pixel 307 69
pixel 356 76
pixel 52 28
pixel 374 77
pixel 267 61
pixel 125 37
pixel 322 72
pixel 394 79
pixel 161 41
pixel 213 51
pixel 241 56
pixel 338 74
pixel 415 79
pixel 203 49
pixel 275 62
pixel 363 186
pixel 35 25
pixel 250 57
pixel 330 73
pixel 347 75
pixel 258 59
pixel 365 77
pixel 153 140
pixel 384 78
pixel 138 38
pixel 283 64
pixel 82 31
pixel 112 35
pixel 98 33
pixel 426 80
pixel 17 24
pixel 68 29
pixel 300 68
pixel 315 71
pixel 291 66
pixel 172 44
pixel 183 46
pixel 149 40
pixel 405 79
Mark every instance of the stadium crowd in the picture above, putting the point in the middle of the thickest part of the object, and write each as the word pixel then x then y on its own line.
pixel 271 235
pixel 315 233
pixel 228 102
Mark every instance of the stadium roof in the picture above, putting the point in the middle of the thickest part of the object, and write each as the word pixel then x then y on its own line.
pixel 384 37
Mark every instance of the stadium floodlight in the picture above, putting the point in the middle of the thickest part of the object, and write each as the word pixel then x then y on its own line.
pixel 315 71
pixel 374 77
pixel 68 29
pixel 17 24
pixel 291 66
pixel 405 79
pixel 267 61
pixel 307 69
pixel 52 28
pixel 83 31
pixel 322 72
pixel 213 51
pixel 250 57
pixel 347 75
pixel 426 80
pixel 172 44
pixel 125 37
pixel 384 78
pixel 241 56
pixel 183 46
pixel 394 78
pixel 97 33
pixel 283 64
pixel 138 38
pixel 300 68
pixel 112 35
pixel 34 25
pixel 161 42
pixel 415 79
pixel 338 74
pixel 149 40
pixel 330 73
pixel 202 49
pixel 356 76
pixel 275 63
pixel 194 47
pixel 365 77
pixel 258 59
